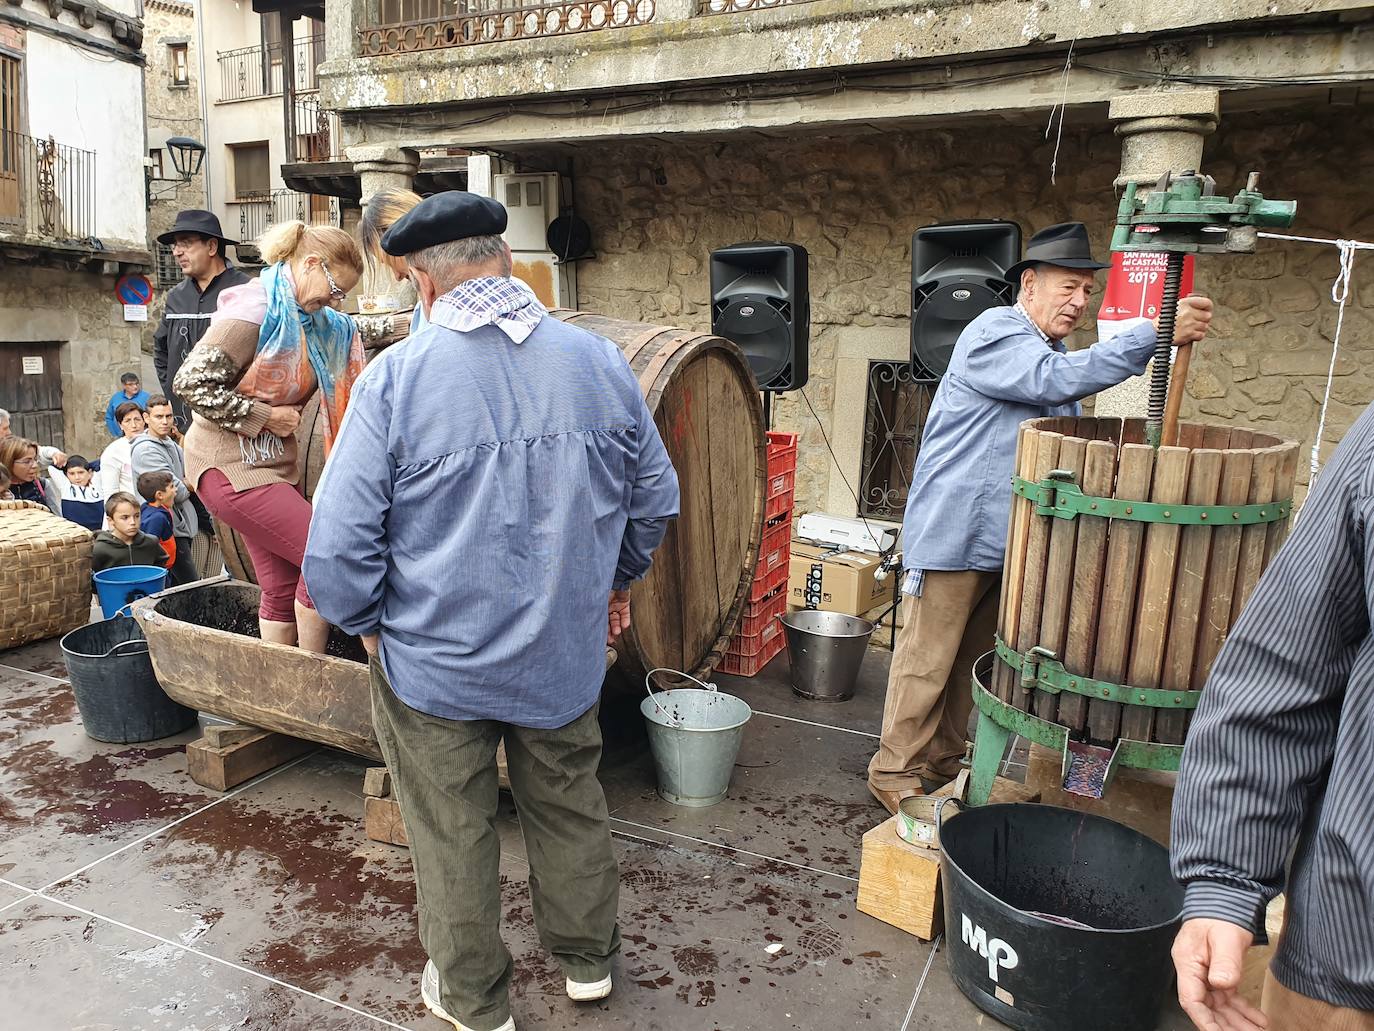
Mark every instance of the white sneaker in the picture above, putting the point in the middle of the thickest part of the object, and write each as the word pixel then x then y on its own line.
pixel 589 991
pixel 429 991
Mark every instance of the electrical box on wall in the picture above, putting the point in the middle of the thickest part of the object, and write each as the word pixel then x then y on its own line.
pixel 532 201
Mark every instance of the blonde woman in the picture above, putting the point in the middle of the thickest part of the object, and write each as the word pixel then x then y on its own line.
pixel 271 345
pixel 383 211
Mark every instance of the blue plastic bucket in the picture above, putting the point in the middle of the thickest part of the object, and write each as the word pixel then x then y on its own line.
pixel 120 586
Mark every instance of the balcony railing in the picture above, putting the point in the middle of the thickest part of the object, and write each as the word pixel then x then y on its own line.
pixel 258 214
pixel 47 190
pixel 257 71
pixel 736 6
pixel 317 133
pixel 405 26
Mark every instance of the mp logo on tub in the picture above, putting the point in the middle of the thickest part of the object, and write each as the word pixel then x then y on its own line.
pixel 997 952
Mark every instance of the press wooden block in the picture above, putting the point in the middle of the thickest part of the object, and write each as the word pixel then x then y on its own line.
pixel 899 883
pixel 227 756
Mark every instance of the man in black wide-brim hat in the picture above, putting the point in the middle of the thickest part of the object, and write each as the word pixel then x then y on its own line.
pixel 1009 365
pixel 198 245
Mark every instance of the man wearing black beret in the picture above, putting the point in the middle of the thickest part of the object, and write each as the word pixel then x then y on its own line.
pixel 496 487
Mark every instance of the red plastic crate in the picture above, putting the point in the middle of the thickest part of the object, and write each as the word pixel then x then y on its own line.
pixel 780 483
pixel 752 644
pixel 757 614
pixel 782 452
pixel 749 665
pixel 777 506
pixel 765 583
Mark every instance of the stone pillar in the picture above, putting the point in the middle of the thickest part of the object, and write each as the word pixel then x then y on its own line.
pixel 1161 131
pixel 383 167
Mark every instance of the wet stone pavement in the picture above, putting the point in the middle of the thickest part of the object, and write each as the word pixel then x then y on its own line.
pixel 131 898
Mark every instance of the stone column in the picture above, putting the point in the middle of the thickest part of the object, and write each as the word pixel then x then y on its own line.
pixel 1161 131
pixel 382 167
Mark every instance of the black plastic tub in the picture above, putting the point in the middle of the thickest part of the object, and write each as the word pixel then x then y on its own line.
pixel 1058 920
pixel 116 690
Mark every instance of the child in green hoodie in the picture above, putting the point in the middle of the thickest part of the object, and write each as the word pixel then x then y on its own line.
pixel 125 544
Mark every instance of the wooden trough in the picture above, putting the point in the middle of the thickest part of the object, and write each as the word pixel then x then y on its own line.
pixel 706 406
pixel 1117 601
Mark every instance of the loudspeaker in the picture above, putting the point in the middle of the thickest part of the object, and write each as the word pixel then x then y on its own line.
pixel 760 300
pixel 958 271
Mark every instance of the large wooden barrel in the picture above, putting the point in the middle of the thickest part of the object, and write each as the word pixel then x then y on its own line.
pixel 707 409
pixel 1141 604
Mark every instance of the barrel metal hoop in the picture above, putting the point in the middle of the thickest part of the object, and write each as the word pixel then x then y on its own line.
pixel 1058 496
pixel 666 353
pixel 642 341
pixel 1040 670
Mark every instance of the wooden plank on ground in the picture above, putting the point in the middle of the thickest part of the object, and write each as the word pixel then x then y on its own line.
pixel 1058 592
pixel 1037 550
pixel 1156 591
pixel 1090 556
pixel 1121 573
pixel 247 751
pixel 1194 549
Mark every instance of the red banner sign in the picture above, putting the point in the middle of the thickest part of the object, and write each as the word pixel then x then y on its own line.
pixel 1135 289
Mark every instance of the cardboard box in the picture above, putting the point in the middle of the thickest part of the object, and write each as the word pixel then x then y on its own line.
pixel 847 581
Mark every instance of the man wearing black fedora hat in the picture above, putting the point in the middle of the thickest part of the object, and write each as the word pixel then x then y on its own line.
pixel 198 244
pixel 1009 365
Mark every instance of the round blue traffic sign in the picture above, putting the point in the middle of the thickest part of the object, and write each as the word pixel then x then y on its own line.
pixel 134 289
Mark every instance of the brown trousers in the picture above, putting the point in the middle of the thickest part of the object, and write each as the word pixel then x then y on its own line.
pixel 929 693
pixel 1289 1011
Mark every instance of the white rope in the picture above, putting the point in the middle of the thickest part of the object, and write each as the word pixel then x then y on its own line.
pixel 1340 294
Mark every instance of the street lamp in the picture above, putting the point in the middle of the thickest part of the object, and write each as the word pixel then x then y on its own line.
pixel 187 156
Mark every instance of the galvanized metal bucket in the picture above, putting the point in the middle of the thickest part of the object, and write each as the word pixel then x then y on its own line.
pixel 694 735
pixel 826 650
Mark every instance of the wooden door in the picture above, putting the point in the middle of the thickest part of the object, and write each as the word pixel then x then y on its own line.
pixel 11 143
pixel 31 391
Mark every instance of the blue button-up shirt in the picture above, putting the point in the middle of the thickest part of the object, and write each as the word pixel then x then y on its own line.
pixel 482 499
pixel 1002 372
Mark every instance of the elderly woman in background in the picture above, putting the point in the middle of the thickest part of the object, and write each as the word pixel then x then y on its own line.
pixel 116 468
pixel 272 344
pixel 20 457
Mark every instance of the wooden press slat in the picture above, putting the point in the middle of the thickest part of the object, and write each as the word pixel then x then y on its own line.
pixel 1283 489
pixel 1234 489
pixel 1216 438
pixel 1190 435
pixel 1014 565
pixel 1253 538
pixel 1054 617
pixel 1099 469
pixel 1195 544
pixel 1122 571
pixel 1037 550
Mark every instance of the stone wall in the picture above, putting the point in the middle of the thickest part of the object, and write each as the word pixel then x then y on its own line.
pixel 78 310
pixel 175 111
pixel 658 210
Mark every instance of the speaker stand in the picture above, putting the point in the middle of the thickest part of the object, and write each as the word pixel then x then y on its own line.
pixel 767 409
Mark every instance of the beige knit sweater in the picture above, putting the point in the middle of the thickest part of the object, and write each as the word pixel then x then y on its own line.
pixel 224 419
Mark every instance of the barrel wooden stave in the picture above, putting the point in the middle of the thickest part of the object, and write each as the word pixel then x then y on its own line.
pixel 707 409
pixel 1162 597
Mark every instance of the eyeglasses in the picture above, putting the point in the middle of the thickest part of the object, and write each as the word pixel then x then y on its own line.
pixel 334 292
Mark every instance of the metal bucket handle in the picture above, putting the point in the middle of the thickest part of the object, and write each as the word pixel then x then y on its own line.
pixel 940 813
pixel 676 724
pixel 125 644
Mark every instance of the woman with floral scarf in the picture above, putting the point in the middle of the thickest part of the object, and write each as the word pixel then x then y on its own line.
pixel 272 344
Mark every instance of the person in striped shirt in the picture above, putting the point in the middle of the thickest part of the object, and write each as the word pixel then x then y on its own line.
pixel 1273 790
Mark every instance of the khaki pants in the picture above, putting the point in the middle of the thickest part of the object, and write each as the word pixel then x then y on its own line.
pixel 929 697
pixel 1289 1011
pixel 444 774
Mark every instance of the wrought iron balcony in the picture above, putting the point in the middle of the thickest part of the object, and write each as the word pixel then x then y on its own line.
pixel 736 6
pixel 251 72
pixel 47 190
pixel 406 26
pixel 316 135
pixel 259 213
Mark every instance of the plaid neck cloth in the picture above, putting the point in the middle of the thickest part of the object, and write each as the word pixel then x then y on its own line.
pixel 506 303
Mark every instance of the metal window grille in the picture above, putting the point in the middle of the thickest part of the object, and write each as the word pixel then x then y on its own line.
pixel 47 190
pixel 250 72
pixel 261 213
pixel 895 413
pixel 168 271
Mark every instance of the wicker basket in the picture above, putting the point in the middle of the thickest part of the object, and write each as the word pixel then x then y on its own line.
pixel 45 574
